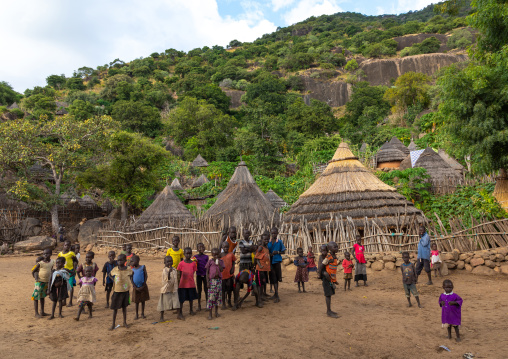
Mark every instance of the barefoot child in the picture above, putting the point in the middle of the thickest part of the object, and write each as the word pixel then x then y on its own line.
pixel 42 275
pixel 107 282
pixel 71 263
pixel 214 268
pixel 409 279
pixel 361 263
pixel 302 273
pixel 121 276
pixel 263 264
pixel 140 292
pixel 59 286
pixel 88 263
pixel 175 252
pixel 435 259
pixel 229 259
pixel 186 287
pixel 247 249
pixel 201 259
pixel 328 272
pixel 451 305
pixel 86 295
pixel 128 255
pixel 276 248
pixel 168 299
pixel 348 266
pixel 323 249
pixel 311 260
pixel 247 277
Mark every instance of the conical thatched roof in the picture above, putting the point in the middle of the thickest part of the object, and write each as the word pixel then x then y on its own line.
pixel 175 185
pixel 166 207
pixel 199 162
pixel 395 142
pixel 201 180
pixel 440 172
pixel 347 188
pixel 13 106
pixel 412 146
pixel 275 200
pixel 389 153
pixel 69 195
pixel 87 201
pixel 364 147
pixel 243 202
pixel 406 163
pixel 451 161
pixel 107 206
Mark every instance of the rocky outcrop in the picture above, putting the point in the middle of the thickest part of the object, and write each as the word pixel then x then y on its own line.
pixel 88 232
pixel 235 96
pixel 334 93
pixel 30 227
pixel 380 72
pixel 35 244
pixel 410 40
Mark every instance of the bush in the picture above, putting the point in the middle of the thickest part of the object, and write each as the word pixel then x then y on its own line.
pixel 461 38
pixel 295 83
pixel 427 46
pixel 351 65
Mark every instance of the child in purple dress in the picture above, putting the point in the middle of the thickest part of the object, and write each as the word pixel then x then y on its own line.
pixel 451 305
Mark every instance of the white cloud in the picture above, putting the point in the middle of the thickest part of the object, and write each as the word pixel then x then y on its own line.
pixel 380 10
pixel 279 4
pixel 412 5
pixel 41 38
pixel 307 8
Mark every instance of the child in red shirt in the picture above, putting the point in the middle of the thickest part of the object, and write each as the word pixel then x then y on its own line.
pixel 348 266
pixel 187 286
pixel 229 260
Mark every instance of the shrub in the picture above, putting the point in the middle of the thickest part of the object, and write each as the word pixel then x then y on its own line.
pixel 461 38
pixel 351 65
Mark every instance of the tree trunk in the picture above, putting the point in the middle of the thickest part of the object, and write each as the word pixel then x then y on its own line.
pixel 55 224
pixel 501 189
pixel 124 210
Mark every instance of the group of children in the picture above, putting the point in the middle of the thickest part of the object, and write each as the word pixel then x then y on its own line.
pixel 260 264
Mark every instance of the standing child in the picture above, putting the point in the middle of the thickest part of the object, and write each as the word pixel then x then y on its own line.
pixel 348 266
pixel 328 272
pixel 311 260
pixel 187 287
pixel 247 250
pixel 451 306
pixel 121 285
pixel 107 282
pixel 302 273
pixel 88 263
pixel 168 299
pixel 214 268
pixel 435 259
pixel 42 275
pixel 175 252
pixel 139 287
pixel 201 259
pixel 229 260
pixel 409 279
pixel 71 263
pixel 59 286
pixel 263 264
pixel 361 263
pixel 276 248
pixel 323 249
pixel 86 295
pixel 76 248
pixel 128 255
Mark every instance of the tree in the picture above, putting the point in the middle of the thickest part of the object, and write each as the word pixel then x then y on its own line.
pixel 137 117
pixel 81 110
pixel 56 81
pixel 409 89
pixel 75 83
pixel 7 95
pixel 63 145
pixel 312 121
pixel 130 172
pixel 40 106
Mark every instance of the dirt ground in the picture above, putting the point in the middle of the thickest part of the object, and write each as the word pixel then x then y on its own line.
pixel 375 322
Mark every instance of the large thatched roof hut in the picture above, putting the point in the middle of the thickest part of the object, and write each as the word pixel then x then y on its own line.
pixel 274 199
pixel 452 162
pixel 175 185
pixel 199 162
pixel 347 188
pixel 243 202
pixel 201 180
pixel 167 206
pixel 389 156
pixel 442 176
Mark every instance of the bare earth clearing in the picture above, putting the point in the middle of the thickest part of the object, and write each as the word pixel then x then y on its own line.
pixel 375 322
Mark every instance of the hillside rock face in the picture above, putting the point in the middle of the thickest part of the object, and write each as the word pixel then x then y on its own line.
pixel 410 40
pixel 380 72
pixel 334 93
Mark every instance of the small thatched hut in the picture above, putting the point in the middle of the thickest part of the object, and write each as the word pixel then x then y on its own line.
pixel 175 185
pixel 395 142
pixel 13 106
pixel 107 206
pixel 61 108
pixel 412 146
pixel 363 148
pixel 452 162
pixel 201 180
pixel 243 202
pixel 501 189
pixel 389 156
pixel 275 200
pixel 199 162
pixel 348 189
pixel 167 206
pixel 406 163
pixel 87 202
pixel 442 176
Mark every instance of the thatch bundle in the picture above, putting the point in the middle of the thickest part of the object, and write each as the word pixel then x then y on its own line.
pixel 441 173
pixel 274 199
pixel 167 206
pixel 243 202
pixel 199 162
pixel 348 189
pixel 395 142
pixel 201 180
pixel 388 153
pixel 452 162
pixel 412 146
pixel 501 189
pixel 175 185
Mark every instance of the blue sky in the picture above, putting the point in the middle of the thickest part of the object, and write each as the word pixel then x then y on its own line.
pixel 41 38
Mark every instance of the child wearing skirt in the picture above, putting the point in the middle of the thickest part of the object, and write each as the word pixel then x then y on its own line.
pixel 302 271
pixel 168 299
pixel 140 292
pixel 86 295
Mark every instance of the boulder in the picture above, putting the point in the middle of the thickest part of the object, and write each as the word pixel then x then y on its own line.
pixel 497 269
pixel 499 258
pixel 475 262
pixel 447 256
pixel 451 264
pixel 490 263
pixel 485 255
pixel 399 262
pixel 461 265
pixel 88 232
pixel 492 257
pixel 468 267
pixel 504 269
pixel 464 256
pixel 444 269
pixel 36 243
pixel 456 254
pixel 390 266
pixel 30 227
pixel 368 264
pixel 468 260
pixel 286 261
pixel 483 270
pixel 502 250
pixel 377 265
pixel 388 258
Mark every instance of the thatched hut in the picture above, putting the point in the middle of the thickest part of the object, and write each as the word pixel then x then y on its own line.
pixel 107 206
pixel 442 176
pixel 395 142
pixel 175 185
pixel 243 202
pixel 363 148
pixel 274 199
pixel 501 189
pixel 348 189
pixel 61 108
pixel 87 202
pixel 13 106
pixel 167 206
pixel 406 163
pixel 452 162
pixel 389 156
pixel 412 146
pixel 199 162
pixel 201 180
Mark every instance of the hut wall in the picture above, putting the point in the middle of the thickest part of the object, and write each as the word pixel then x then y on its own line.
pixel 394 164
